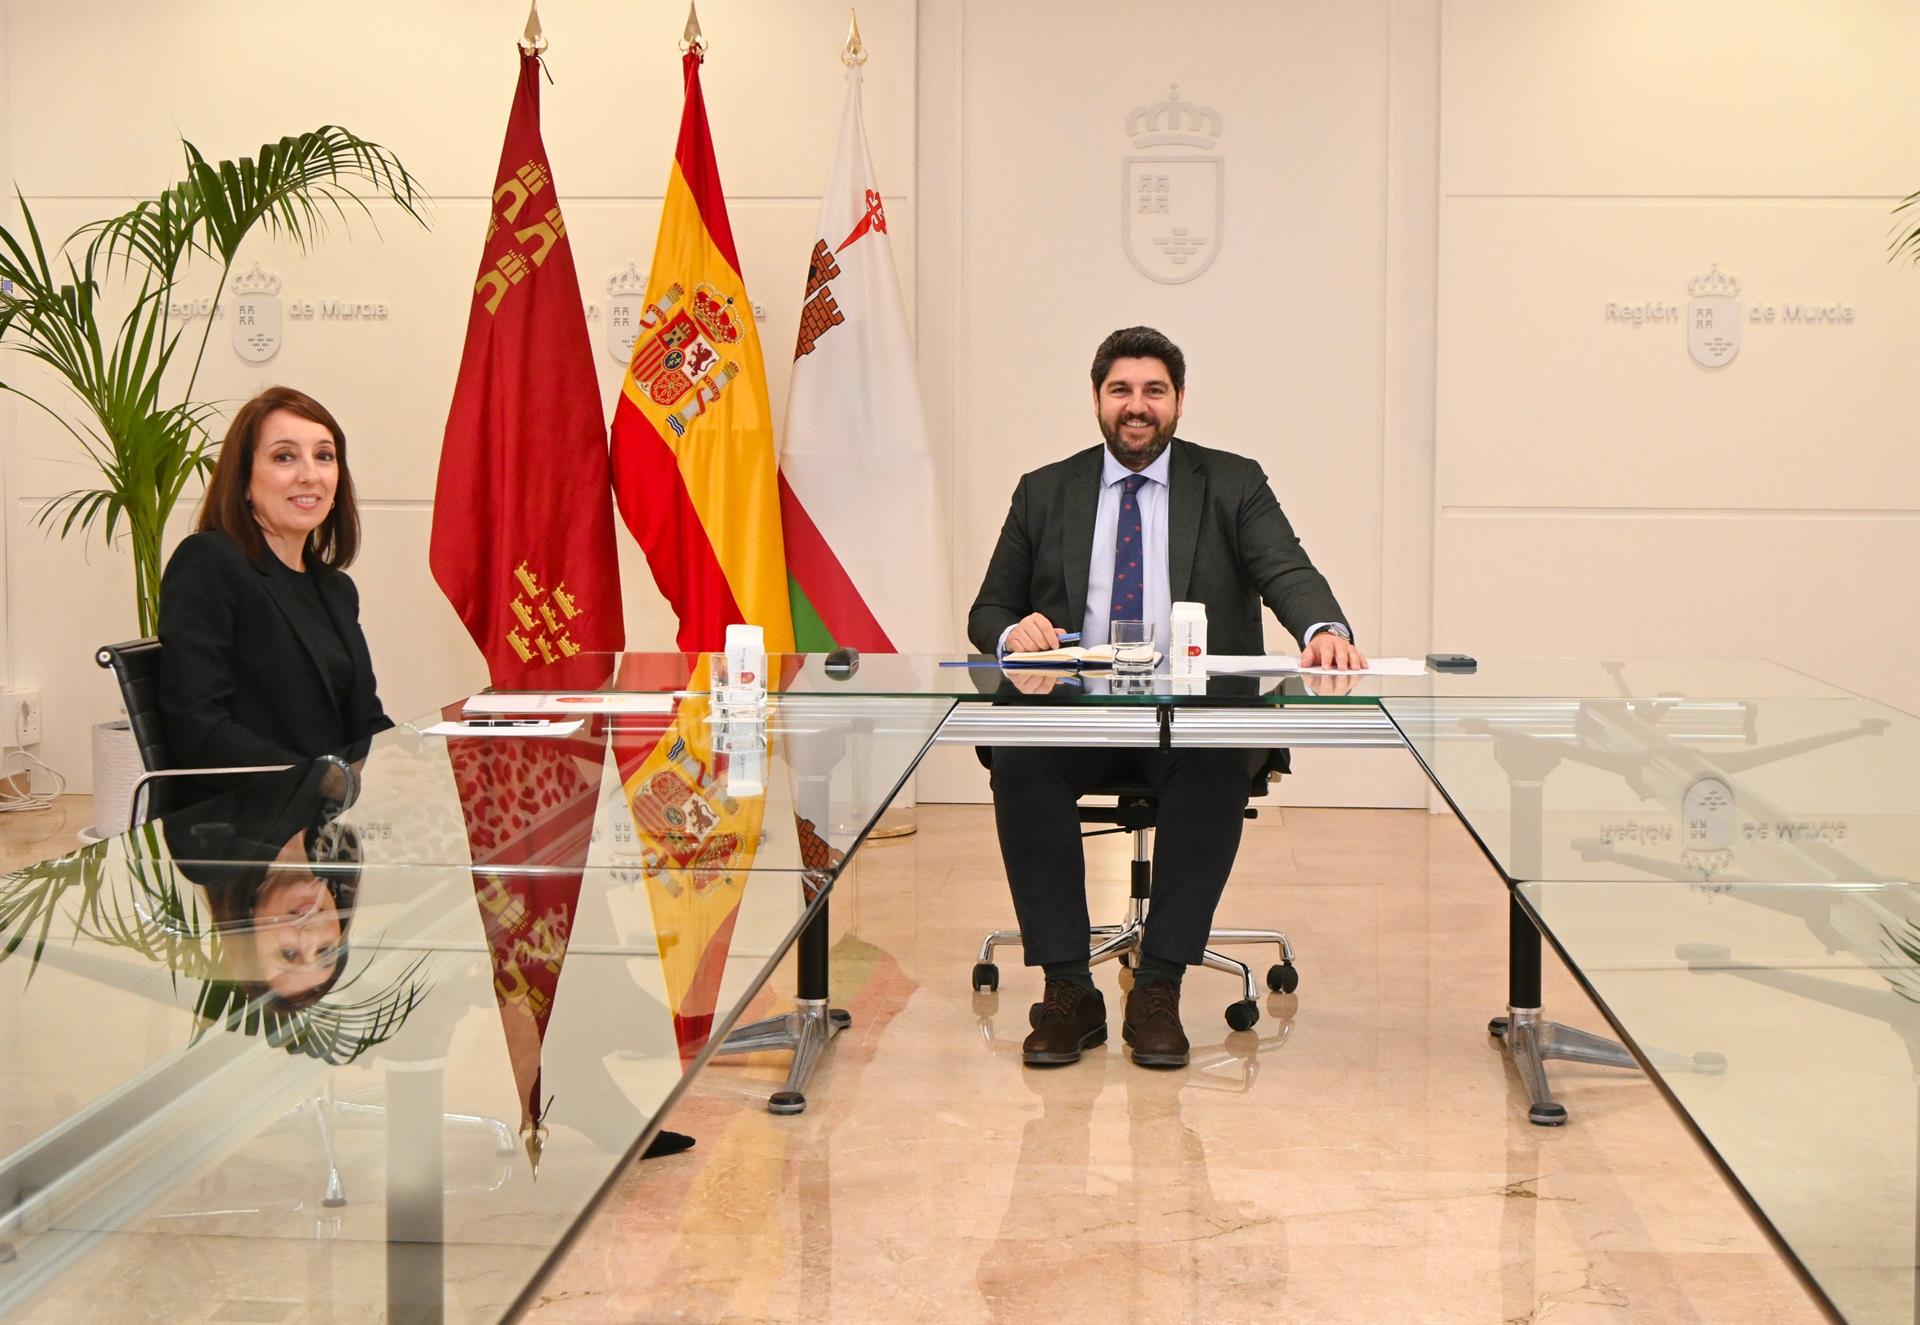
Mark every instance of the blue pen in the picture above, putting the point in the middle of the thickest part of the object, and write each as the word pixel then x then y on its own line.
pixel 1069 637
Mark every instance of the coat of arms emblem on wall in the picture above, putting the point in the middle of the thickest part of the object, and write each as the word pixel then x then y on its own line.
pixel 1173 190
pixel 1713 318
pixel 256 315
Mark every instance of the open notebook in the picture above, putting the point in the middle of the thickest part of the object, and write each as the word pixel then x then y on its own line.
pixel 1073 659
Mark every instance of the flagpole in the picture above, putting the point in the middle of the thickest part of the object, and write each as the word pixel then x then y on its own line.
pixel 533 41
pixel 854 53
pixel 901 817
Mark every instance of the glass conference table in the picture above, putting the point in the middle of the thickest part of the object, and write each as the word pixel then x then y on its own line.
pixel 374 1042
pixel 1699 839
pixel 1725 853
pixel 1733 881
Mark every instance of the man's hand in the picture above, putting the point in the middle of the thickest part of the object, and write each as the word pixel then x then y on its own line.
pixel 1033 634
pixel 1328 650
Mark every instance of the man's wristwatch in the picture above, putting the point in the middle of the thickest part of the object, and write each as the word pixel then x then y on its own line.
pixel 1335 628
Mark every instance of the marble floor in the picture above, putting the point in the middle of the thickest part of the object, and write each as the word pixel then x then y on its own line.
pixel 1363 1155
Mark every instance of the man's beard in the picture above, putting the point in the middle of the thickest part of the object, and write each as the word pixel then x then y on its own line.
pixel 1138 458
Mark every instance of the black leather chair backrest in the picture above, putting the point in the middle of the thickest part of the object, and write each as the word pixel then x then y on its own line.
pixel 136 665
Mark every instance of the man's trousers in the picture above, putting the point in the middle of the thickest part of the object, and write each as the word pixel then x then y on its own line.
pixel 1203 800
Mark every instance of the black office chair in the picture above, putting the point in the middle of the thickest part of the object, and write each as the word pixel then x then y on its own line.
pixel 1136 811
pixel 136 665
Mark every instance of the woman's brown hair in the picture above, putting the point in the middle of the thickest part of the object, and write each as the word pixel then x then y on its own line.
pixel 225 506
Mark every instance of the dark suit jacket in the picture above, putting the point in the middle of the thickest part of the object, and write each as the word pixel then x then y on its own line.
pixel 1228 546
pixel 238 683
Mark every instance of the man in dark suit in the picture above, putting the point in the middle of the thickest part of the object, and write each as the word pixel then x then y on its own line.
pixel 1122 531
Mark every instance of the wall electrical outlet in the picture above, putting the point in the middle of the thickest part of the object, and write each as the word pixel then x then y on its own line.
pixel 19 718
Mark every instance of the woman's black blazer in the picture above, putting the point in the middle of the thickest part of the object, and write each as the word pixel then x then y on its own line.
pixel 238 683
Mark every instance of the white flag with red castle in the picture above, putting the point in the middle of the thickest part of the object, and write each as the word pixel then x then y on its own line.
pixel 866 548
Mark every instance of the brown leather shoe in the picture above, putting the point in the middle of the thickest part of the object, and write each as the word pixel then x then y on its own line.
pixel 1066 1020
pixel 1152 1026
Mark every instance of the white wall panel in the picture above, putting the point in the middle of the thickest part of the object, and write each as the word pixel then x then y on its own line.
pixel 1829 594
pixel 1685 98
pixel 1600 491
pixel 431 80
pixel 1552 403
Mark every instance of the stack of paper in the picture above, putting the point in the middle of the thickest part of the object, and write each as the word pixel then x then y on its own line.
pixel 1280 664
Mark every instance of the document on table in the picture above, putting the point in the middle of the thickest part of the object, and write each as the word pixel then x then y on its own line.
pixel 505 727
pixel 591 701
pixel 1286 664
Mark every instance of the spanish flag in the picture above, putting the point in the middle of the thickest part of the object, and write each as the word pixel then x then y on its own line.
pixel 693 464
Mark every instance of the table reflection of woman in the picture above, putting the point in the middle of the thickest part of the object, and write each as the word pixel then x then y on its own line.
pixel 281 876
pixel 263 658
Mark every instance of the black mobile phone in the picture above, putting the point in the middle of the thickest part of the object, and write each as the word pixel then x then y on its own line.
pixel 1451 662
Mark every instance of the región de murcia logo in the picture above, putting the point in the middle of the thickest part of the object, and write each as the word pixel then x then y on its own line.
pixel 516 264
pixel 1173 190
pixel 1713 318
pixel 256 315
pixel 543 617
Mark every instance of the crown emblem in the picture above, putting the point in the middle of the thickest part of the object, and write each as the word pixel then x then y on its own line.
pixel 257 280
pixel 715 315
pixel 1714 284
pixel 1174 123
pixel 631 281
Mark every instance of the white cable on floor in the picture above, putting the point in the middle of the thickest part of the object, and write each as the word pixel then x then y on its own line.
pixel 18 802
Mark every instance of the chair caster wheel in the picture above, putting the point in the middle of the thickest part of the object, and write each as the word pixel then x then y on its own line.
pixel 1243 1015
pixel 1283 979
pixel 986 978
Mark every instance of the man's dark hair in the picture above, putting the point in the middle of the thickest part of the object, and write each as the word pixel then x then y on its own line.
pixel 1139 343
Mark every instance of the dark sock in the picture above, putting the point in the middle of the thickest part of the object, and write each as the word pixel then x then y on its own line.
pixel 1154 971
pixel 1076 973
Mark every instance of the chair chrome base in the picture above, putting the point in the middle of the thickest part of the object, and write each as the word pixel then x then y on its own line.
pixel 1124 942
pixel 805 1031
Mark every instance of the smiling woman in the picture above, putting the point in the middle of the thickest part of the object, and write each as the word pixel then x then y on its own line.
pixel 264 661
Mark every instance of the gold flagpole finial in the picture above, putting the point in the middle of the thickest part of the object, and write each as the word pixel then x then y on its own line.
pixel 533 40
pixel 854 53
pixel 691 40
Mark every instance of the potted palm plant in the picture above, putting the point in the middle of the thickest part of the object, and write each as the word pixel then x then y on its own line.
pixel 1906 242
pixel 95 314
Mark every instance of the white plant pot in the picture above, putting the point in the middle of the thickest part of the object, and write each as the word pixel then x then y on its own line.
pixel 116 767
